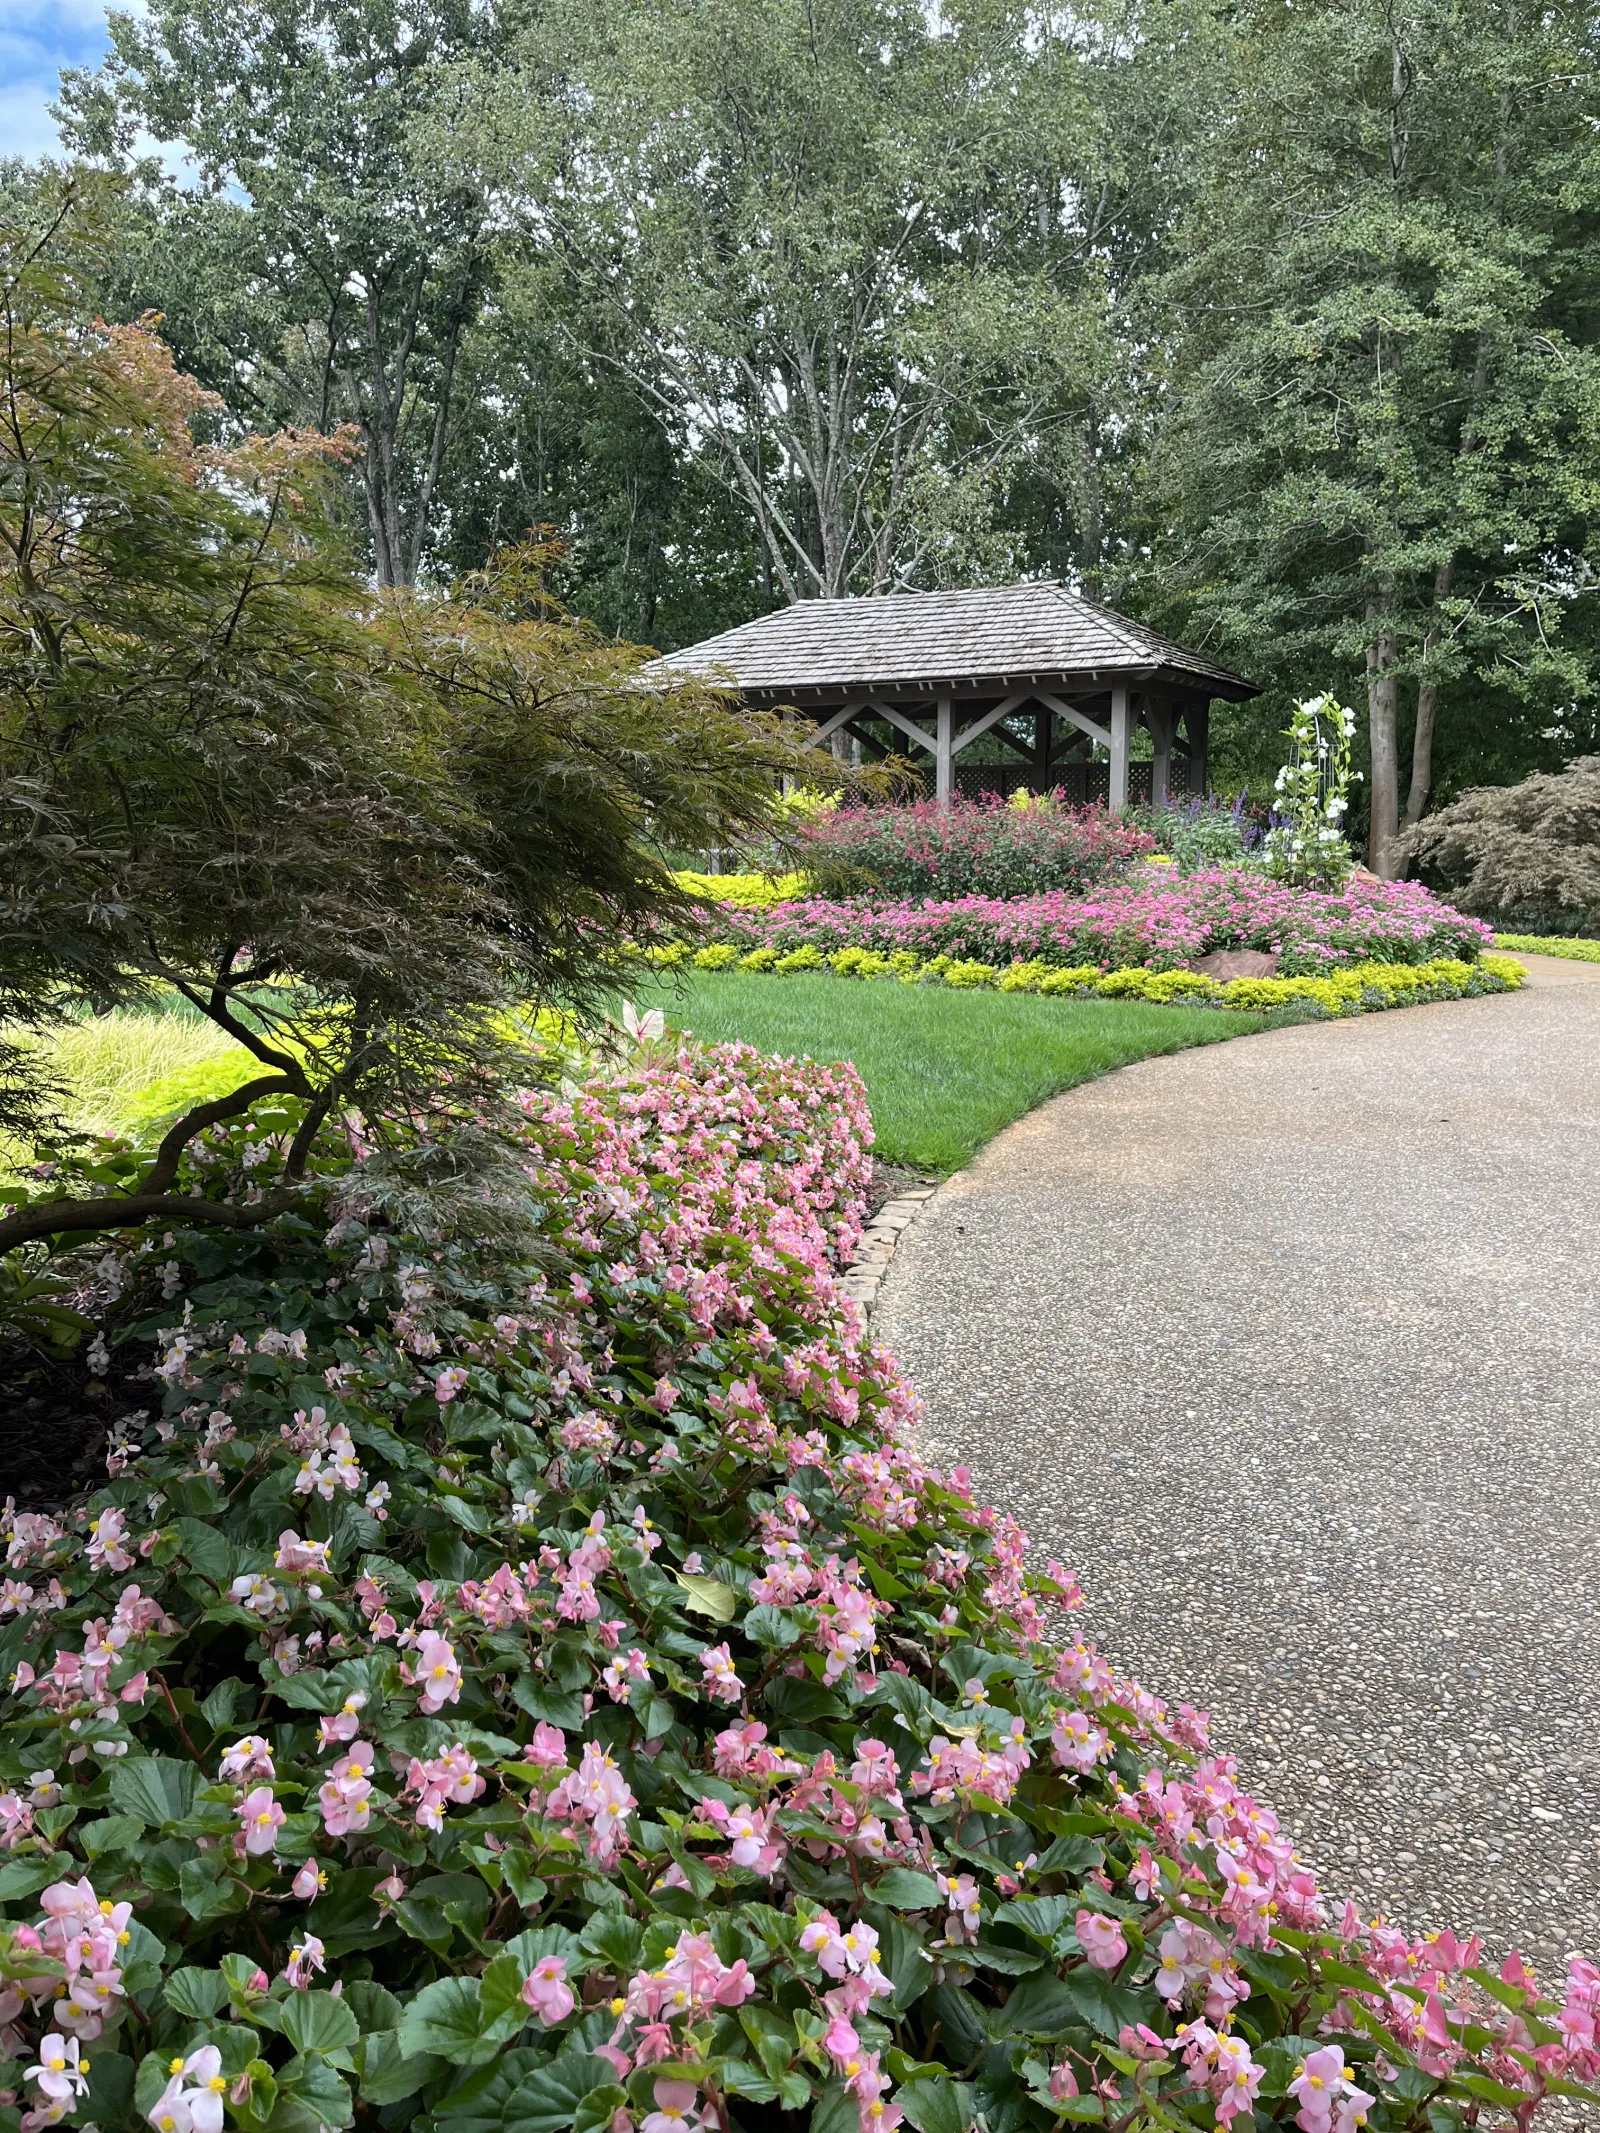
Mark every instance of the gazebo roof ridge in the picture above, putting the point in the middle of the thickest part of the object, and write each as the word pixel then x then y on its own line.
pixel 974 635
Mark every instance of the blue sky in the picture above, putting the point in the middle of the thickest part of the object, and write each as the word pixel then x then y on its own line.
pixel 37 39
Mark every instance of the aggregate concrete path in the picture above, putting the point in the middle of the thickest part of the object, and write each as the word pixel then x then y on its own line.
pixel 1291 1347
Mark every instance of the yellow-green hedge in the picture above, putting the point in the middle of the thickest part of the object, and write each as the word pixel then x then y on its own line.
pixel 1352 990
pixel 1574 951
pixel 744 892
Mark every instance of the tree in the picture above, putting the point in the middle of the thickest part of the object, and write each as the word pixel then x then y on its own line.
pixel 1382 455
pixel 334 261
pixel 349 829
pixel 825 242
pixel 1521 854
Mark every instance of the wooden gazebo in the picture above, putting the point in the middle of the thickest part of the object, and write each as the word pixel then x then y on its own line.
pixel 1048 673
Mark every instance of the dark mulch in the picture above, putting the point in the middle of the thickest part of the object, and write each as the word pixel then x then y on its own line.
pixel 890 1179
pixel 54 1420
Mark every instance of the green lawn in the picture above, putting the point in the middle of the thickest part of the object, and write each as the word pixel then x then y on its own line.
pixel 944 1070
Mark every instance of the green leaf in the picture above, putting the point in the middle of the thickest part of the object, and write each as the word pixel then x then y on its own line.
pixel 1040 1917
pixel 742 2079
pixel 502 2011
pixel 477 2104
pixel 387 2075
pixel 540 1701
pixel 143 1959
pixel 1076 1856
pixel 935 2105
pixel 1041 2006
pixel 311 2092
pixel 111 2083
pixel 1106 2007
pixel 112 1833
pixel 21 1877
pixel 547 2101
pixel 154 1788
pixel 373 2006
pixel 317 2022
pixel 206 1550
pixel 774 1627
pixel 196 1993
pixel 598 2108
pixel 616 1938
pixel 1010 1962
pixel 708 1596
pixel 446 2018
pixel 903 1889
pixel 836 2111
pixel 206 1893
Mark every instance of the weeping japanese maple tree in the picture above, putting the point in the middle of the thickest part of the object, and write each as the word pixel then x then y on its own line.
pixel 350 828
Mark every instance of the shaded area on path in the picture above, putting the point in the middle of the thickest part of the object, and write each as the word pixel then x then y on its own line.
pixel 1291 1348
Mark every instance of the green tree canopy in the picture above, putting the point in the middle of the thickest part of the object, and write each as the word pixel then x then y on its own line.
pixel 1381 455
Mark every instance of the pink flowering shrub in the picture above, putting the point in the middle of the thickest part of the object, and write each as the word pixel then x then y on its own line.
pixel 1159 925
pixel 722 1764
pixel 970 848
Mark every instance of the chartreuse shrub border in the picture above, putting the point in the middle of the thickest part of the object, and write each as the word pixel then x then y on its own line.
pixel 1353 989
pixel 520 1677
pixel 1574 951
pixel 745 892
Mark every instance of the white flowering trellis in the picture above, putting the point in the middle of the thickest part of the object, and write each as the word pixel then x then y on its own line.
pixel 1306 844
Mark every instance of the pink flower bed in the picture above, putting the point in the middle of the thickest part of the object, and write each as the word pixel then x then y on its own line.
pixel 558 1694
pixel 1159 925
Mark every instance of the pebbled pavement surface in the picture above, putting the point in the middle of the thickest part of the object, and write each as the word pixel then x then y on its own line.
pixel 1291 1347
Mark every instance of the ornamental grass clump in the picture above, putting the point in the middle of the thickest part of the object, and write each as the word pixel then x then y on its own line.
pixel 520 1675
pixel 969 848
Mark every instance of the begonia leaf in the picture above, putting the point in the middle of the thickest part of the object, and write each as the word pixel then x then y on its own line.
pixel 547 2100
pixel 936 2104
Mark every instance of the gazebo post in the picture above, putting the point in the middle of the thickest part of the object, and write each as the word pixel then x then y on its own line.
pixel 1120 735
pixel 944 734
pixel 1162 720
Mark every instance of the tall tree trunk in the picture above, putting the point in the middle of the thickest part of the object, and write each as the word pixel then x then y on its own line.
pixel 1382 698
pixel 1428 700
pixel 1093 529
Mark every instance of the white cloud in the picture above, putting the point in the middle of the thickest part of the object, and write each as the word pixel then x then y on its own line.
pixel 37 39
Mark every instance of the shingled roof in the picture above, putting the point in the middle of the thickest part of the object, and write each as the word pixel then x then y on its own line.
pixel 991 634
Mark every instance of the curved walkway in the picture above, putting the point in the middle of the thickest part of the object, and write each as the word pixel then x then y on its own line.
pixel 1291 1347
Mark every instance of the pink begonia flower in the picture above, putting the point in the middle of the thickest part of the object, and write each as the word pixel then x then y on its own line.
pixel 1078 1743
pixel 309 1882
pixel 1317 2087
pixel 345 1799
pixel 1237 2080
pixel 1101 1940
pixel 260 1819
pixel 304 1963
pixel 105 1549
pixel 1142 2042
pixel 546 1991
pixel 1063 2082
pixel 548 1747
pixel 345 1723
pixel 297 1556
pixel 250 1757
pixel 840 2041
pixel 447 1384
pixel 59 2072
pixel 436 1673
pixel 675 2108
pixel 721 1683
